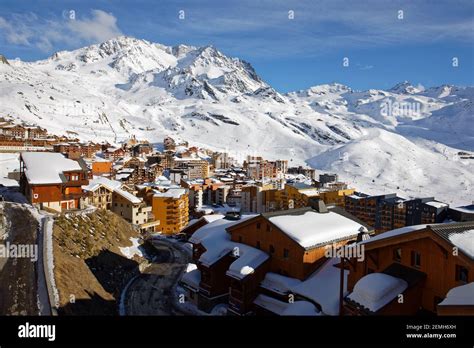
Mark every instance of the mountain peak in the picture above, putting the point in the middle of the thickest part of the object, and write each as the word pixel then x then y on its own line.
pixel 406 87
pixel 4 60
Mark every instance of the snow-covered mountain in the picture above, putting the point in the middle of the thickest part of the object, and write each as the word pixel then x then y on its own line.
pixel 128 86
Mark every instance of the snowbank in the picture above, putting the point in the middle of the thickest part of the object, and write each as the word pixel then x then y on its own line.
pixel 375 290
pixel 464 241
pixel 460 295
pixel 314 228
pixel 133 250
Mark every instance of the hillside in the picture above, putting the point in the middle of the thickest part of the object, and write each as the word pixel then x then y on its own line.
pixel 90 269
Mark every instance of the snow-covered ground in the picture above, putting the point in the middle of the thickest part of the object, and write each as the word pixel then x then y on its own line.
pixel 133 250
pixel 407 136
pixel 383 162
pixel 8 163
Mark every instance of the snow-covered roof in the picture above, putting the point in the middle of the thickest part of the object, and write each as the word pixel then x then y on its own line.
pixel 47 167
pixel 98 181
pixel 215 239
pixel 212 217
pixel 192 276
pixel 375 290
pixel 313 228
pixel 286 308
pixel 355 197
pixel 436 204
pixel 323 287
pixel 128 196
pixel 248 260
pixel 122 176
pixel 459 296
pixel 278 283
pixel 171 193
pixel 310 193
pixel 393 233
pixel 465 209
pixel 464 241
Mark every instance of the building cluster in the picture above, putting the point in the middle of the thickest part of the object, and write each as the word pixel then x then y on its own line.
pixel 277 263
pixel 261 230
pixel 269 262
pixel 25 137
pixel 388 212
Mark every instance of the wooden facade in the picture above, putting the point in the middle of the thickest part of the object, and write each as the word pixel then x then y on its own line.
pixel 287 257
pixel 57 196
pixel 424 251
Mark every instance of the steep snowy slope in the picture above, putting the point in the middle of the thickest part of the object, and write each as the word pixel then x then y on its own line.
pixel 128 86
pixel 382 161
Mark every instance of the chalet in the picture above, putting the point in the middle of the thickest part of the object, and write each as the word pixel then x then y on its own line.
pixel 51 180
pixel 319 291
pixel 35 132
pixel 411 269
pixel 219 260
pixel 114 154
pixel 296 241
pixel 236 255
pixel 142 149
pixel 14 131
pixel 196 224
pixel 99 192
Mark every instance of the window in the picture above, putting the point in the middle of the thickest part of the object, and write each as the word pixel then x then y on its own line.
pixel 286 253
pixel 258 244
pixel 269 228
pixel 258 225
pixel 272 249
pixel 415 259
pixel 461 274
pixel 397 254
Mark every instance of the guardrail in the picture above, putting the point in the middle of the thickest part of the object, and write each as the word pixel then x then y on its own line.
pixel 47 275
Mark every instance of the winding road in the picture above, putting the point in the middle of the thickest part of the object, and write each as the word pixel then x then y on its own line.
pixel 153 291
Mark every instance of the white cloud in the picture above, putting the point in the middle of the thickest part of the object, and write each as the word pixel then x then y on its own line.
pixel 100 27
pixel 29 30
pixel 19 35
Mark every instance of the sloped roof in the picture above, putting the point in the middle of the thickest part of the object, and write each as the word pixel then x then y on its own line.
pixel 47 167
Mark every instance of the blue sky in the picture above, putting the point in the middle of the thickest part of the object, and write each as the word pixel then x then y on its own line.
pixel 290 54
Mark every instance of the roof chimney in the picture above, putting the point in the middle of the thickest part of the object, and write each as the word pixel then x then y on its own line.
pixel 318 205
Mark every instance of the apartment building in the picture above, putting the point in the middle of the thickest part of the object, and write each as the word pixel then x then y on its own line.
pixel 171 208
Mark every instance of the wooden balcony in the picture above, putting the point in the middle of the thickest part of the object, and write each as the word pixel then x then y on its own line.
pixel 75 183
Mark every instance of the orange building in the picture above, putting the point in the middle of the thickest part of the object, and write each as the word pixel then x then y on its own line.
pixel 101 168
pixel 171 208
